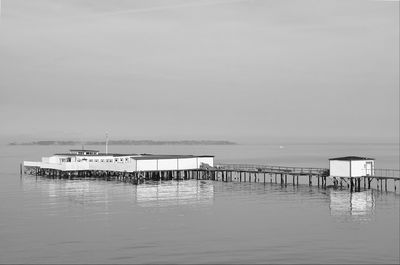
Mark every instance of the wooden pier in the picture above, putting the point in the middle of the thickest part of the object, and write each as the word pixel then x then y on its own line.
pixel 235 172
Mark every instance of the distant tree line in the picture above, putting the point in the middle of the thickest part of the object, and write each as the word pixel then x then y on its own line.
pixel 129 142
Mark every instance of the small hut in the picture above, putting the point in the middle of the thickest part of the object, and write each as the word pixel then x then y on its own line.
pixel 351 166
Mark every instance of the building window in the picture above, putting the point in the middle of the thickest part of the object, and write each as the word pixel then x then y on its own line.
pixel 96 160
pixel 90 160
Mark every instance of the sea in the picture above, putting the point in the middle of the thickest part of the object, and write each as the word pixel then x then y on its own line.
pixel 86 221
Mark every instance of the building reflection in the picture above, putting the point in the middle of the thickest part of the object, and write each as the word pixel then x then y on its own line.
pixel 175 193
pixel 148 194
pixel 354 205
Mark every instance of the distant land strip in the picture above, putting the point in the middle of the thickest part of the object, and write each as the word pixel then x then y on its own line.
pixel 128 142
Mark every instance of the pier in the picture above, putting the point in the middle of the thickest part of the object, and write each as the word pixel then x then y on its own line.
pixel 352 172
pixel 281 175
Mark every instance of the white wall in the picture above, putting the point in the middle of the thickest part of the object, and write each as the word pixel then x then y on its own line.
pixel 187 163
pixel 358 168
pixel 339 168
pixel 168 164
pixel 54 159
pixel 147 165
pixel 132 165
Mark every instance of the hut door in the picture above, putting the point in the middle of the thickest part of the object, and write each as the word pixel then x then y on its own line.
pixel 368 168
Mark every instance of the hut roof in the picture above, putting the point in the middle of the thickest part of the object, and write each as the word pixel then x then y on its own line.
pixel 349 158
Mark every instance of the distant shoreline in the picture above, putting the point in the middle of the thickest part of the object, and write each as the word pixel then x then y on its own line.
pixel 128 142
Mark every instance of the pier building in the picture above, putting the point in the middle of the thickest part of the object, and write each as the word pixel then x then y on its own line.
pixel 89 160
pixel 351 166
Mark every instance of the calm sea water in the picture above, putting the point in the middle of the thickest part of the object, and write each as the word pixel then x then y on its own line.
pixel 88 221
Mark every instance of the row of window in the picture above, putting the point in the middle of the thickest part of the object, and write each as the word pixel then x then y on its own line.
pixel 110 160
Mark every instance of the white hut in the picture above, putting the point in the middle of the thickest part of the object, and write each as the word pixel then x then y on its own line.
pixel 351 166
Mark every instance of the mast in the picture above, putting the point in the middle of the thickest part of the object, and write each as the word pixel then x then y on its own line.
pixel 106 143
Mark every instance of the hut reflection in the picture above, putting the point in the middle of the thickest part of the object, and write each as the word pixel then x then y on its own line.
pixel 355 205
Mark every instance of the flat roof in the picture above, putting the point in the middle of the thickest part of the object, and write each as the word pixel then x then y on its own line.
pixel 99 154
pixel 147 156
pixel 138 156
pixel 83 150
pixel 348 158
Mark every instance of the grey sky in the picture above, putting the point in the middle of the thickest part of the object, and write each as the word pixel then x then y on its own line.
pixel 201 69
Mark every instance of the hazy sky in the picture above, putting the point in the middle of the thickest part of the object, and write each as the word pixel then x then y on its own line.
pixel 186 69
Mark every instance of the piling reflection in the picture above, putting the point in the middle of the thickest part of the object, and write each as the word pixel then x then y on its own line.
pixel 354 205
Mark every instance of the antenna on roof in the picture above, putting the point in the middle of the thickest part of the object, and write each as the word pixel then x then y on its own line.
pixel 106 143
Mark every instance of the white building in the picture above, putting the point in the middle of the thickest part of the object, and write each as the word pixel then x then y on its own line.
pixel 351 166
pixel 93 160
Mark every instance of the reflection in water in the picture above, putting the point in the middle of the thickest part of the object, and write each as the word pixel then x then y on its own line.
pixel 175 193
pixel 357 205
pixel 101 193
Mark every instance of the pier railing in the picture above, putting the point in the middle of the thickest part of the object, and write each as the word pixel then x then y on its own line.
pixel 278 169
pixel 387 173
